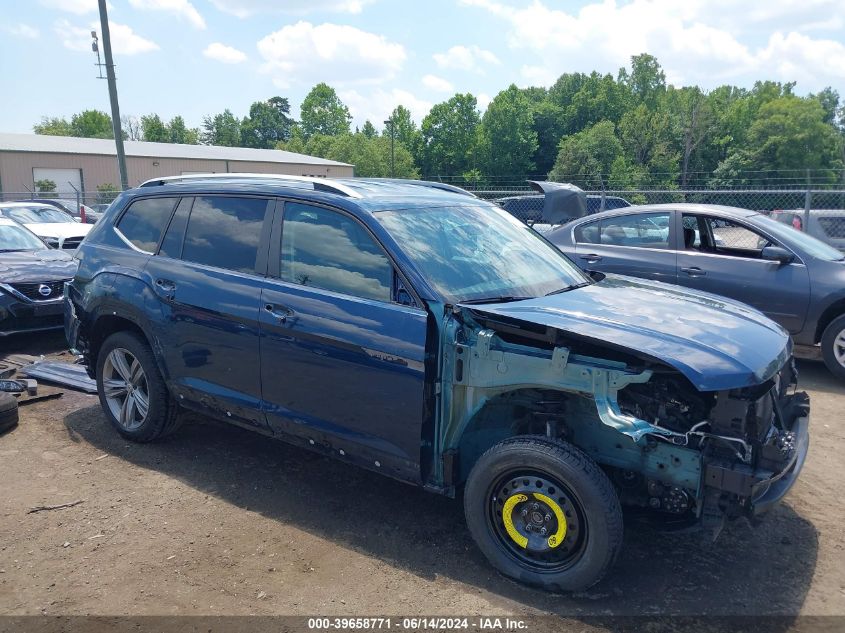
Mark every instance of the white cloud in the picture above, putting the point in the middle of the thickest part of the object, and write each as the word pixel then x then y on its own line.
pixel 337 54
pixel 181 8
pixel 438 84
pixel 223 53
pixel 705 42
pixel 79 7
pixel 247 8
pixel 22 30
pixel 124 40
pixel 377 105
pixel 483 100
pixel 472 58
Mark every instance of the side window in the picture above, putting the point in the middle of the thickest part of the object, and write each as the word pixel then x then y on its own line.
pixel 224 232
pixel 144 221
pixel 171 245
pixel 587 233
pixel 642 230
pixel 730 238
pixel 329 250
pixel 692 232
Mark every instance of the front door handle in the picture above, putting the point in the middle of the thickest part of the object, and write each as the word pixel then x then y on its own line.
pixel 166 288
pixel 279 311
pixel 694 271
pixel 592 258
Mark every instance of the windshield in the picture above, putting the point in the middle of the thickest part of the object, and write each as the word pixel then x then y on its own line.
pixel 17 238
pixel 809 244
pixel 37 215
pixel 477 252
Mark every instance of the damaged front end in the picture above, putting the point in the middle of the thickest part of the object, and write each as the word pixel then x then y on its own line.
pixel 668 446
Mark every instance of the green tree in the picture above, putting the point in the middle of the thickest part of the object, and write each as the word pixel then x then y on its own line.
pixel 322 112
pixel 221 129
pixel 369 130
pixel 647 81
pixel 371 155
pixel 548 123
pixel 406 132
pixel 91 124
pixel 600 98
pixel 829 98
pixel 507 135
pixel 788 136
pixel 106 193
pixel 154 130
pixel 53 126
pixel 692 124
pixel 585 158
pixel 46 187
pixel 646 138
pixel 449 137
pixel 268 123
pixel 181 133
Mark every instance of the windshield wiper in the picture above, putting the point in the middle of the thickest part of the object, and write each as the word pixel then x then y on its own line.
pixel 567 288
pixel 502 299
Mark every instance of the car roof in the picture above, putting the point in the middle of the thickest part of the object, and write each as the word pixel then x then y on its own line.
pixel 365 193
pixel 22 203
pixel 691 207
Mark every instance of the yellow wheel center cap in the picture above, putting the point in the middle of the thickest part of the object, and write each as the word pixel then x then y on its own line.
pixel 520 539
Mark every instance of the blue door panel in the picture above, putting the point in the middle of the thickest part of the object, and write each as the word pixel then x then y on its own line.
pixel 344 367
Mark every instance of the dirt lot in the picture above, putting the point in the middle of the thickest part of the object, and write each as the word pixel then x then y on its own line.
pixel 220 521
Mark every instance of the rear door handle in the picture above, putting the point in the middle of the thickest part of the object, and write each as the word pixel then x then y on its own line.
pixel 694 271
pixel 592 258
pixel 166 288
pixel 279 311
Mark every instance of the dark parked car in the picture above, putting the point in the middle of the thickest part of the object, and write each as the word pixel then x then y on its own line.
pixel 828 225
pixel 430 336
pixel 91 215
pixel 530 208
pixel 32 277
pixel 788 275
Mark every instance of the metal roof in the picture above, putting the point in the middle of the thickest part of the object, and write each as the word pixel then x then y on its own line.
pixel 106 147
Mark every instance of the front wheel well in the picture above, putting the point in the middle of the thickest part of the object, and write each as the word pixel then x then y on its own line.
pixel 835 309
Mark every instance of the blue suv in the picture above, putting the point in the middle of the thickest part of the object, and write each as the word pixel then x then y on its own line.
pixel 415 330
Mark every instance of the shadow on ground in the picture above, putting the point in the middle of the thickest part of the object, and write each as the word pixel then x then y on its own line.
pixel 763 571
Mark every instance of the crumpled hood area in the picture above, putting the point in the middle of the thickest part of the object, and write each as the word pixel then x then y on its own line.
pixel 715 342
pixel 36 266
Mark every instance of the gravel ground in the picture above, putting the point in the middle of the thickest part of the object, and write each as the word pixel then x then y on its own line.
pixel 217 520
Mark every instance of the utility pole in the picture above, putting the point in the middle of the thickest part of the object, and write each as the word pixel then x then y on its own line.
pixel 115 108
pixel 389 124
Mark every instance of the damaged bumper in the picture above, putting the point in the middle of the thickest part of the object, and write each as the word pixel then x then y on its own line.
pixel 753 489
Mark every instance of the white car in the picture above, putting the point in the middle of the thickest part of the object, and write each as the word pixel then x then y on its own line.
pixel 57 228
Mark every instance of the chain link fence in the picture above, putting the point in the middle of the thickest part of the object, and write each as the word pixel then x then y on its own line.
pixel 818 212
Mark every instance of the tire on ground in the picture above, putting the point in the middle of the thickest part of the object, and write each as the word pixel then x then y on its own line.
pixel 8 411
pixel 828 342
pixel 163 412
pixel 576 471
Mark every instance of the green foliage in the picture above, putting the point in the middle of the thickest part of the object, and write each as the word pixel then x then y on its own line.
pixel 586 156
pixel 53 126
pixel 369 130
pixel 449 137
pixel 323 112
pixel 647 81
pixel 106 193
pixel 371 155
pixel 154 130
pixel 221 129
pixel 92 124
pixel 268 123
pixel 46 187
pixel 180 133
pixel 507 135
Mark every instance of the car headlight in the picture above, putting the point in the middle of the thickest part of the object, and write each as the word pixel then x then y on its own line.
pixel 52 242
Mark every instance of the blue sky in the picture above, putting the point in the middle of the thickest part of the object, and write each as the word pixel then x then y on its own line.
pixel 197 57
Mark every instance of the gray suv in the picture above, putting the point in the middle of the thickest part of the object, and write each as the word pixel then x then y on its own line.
pixel 828 225
pixel 793 278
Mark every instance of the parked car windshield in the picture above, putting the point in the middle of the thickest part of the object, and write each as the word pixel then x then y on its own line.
pixel 809 244
pixel 471 253
pixel 37 215
pixel 17 238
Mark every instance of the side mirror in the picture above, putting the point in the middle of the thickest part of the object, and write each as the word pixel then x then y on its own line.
pixel 777 254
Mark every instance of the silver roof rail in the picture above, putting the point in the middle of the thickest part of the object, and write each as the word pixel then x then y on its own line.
pixel 320 184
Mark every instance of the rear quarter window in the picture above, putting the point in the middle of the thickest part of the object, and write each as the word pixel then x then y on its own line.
pixel 143 222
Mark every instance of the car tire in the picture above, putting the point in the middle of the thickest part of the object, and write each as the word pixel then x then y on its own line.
pixel 8 412
pixel 833 347
pixel 572 509
pixel 132 392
